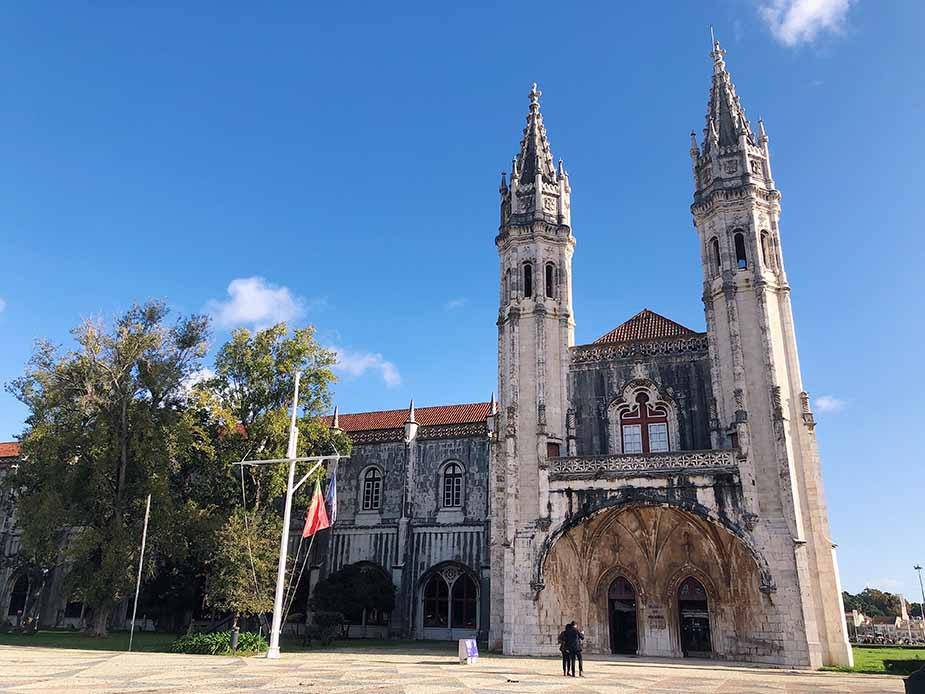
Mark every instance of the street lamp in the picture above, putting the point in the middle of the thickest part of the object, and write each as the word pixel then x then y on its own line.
pixel 918 568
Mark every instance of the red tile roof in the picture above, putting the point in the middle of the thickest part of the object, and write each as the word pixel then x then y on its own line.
pixel 425 416
pixel 10 449
pixel 645 325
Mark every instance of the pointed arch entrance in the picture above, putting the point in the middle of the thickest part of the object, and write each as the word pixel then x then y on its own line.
pixel 621 606
pixel 694 619
pixel 449 604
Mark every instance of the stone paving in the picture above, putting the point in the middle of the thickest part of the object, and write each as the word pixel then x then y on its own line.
pixel 29 669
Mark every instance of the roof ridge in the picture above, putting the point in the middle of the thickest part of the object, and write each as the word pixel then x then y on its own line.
pixel 645 325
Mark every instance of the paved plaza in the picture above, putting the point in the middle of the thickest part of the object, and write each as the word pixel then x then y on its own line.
pixel 387 672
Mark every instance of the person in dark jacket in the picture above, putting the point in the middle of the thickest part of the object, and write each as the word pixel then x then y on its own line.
pixel 581 637
pixel 569 645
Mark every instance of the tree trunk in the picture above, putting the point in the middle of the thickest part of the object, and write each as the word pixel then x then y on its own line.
pixel 101 621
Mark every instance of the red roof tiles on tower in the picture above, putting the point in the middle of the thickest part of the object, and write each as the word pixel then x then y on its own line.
pixel 645 325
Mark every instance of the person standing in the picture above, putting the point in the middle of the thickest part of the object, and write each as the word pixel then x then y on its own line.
pixel 567 645
pixel 580 636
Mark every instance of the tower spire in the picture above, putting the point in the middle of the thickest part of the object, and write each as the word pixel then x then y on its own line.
pixel 535 155
pixel 725 119
pixel 536 191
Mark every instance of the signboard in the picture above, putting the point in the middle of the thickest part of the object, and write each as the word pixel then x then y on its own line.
pixel 468 651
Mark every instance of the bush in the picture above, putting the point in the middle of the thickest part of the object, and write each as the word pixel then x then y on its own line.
pixel 327 626
pixel 219 643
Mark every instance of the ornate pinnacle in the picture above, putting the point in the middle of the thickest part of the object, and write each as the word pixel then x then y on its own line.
pixel 535 95
pixel 717 54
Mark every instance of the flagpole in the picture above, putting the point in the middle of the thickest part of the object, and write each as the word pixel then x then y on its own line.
pixel 273 651
pixel 141 558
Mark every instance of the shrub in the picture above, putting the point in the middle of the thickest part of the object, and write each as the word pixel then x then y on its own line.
pixel 219 643
pixel 327 626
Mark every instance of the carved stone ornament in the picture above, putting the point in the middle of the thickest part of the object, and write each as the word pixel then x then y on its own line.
pixel 582 466
pixel 750 520
pixel 776 402
pixel 588 354
pixel 756 167
pixel 450 574
pixel 730 166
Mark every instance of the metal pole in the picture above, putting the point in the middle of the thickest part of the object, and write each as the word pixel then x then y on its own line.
pixel 141 558
pixel 273 651
pixel 921 604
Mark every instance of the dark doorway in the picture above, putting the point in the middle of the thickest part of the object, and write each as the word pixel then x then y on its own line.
pixel 621 603
pixel 694 618
pixel 18 599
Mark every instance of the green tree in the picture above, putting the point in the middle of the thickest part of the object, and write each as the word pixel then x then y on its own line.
pixel 106 425
pixel 353 589
pixel 243 413
pixel 873 603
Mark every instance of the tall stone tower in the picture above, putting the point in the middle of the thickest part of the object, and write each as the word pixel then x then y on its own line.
pixel 535 331
pixel 760 404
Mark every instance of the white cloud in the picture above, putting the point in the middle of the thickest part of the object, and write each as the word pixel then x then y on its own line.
pixel 356 364
pixel 829 403
pixel 2 305
pixel 453 304
pixel 800 21
pixel 254 301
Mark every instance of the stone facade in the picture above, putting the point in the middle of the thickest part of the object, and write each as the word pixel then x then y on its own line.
pixel 685 515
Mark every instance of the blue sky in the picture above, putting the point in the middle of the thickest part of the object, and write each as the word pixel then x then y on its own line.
pixel 341 166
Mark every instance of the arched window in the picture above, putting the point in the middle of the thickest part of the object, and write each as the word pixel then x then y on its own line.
pixel 550 280
pixel 766 255
pixel 372 489
pixel 450 601
pixel 465 600
pixel 644 428
pixel 528 280
pixel 436 602
pixel 452 485
pixel 739 240
pixel 508 286
pixel 714 256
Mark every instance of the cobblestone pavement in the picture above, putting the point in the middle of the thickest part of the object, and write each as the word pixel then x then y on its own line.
pixel 386 672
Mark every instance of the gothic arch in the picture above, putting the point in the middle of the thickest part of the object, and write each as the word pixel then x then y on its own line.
pixel 626 401
pixel 613 573
pixel 711 523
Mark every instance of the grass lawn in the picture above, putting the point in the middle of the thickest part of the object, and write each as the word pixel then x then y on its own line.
pixel 870 660
pixel 116 641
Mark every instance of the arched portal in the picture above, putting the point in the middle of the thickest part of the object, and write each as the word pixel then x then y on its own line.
pixel 450 604
pixel 694 619
pixel 621 606
pixel 654 549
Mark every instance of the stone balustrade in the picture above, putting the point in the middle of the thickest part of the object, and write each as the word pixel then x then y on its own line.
pixel 584 467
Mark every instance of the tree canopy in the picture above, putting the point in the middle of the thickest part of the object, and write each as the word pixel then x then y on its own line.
pixel 130 411
pixel 877 603
pixel 105 426
pixel 353 589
